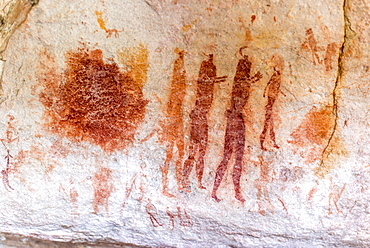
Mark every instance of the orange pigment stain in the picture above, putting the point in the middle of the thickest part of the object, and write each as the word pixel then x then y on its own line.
pixel 99 17
pixel 92 100
pixel 103 188
pixel 101 22
pixel 186 28
pixel 314 132
pixel 137 61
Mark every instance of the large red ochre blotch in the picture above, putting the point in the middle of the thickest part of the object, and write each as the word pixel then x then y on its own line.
pixel 93 101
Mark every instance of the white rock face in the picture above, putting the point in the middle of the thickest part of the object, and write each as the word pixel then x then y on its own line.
pixel 188 123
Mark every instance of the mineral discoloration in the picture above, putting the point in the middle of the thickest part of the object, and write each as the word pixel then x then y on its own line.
pixel 92 101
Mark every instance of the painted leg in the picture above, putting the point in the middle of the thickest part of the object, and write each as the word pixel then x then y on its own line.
pixel 239 153
pixel 181 154
pixel 188 166
pixel 221 169
pixel 164 170
pixel 267 124
pixel 238 168
pixel 200 167
pixel 272 133
pixel 263 134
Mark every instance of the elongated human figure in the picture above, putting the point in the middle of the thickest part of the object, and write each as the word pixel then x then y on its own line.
pixel 235 128
pixel 199 121
pixel 273 91
pixel 173 128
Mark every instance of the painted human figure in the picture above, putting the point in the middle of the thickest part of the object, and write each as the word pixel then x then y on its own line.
pixel 273 91
pixel 261 186
pixel 235 128
pixel 199 121
pixel 174 126
pixel 311 44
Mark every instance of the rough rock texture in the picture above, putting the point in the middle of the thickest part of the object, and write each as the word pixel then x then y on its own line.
pixel 188 123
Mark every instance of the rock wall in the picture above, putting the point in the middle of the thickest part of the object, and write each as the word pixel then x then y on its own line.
pixel 188 123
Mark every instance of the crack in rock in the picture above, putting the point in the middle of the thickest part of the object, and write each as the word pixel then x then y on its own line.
pixel 12 16
pixel 348 36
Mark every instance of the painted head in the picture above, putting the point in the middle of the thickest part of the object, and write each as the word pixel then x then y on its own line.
pixel 277 62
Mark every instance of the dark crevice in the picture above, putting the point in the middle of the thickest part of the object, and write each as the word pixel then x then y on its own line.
pixel 348 35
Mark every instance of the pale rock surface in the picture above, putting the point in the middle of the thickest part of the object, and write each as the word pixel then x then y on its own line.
pixel 310 192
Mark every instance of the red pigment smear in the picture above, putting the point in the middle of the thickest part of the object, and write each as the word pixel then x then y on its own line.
pixel 253 18
pixel 314 132
pixel 92 101
pixel 103 188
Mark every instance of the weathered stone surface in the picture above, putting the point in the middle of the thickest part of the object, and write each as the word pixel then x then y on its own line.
pixel 188 123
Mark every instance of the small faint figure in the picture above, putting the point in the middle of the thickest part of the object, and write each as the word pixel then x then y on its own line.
pixel 101 22
pixel 273 90
pixel 330 54
pixel 103 188
pixel 290 175
pixel 311 45
pixel 235 128
pixel 184 218
pixel 152 212
pixel 199 122
pixel 334 196
pixel 261 186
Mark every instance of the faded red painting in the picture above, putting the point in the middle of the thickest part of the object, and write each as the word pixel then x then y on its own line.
pixel 235 128
pixel 103 188
pixel 11 135
pixel 173 125
pixel 273 91
pixel 310 45
pixel 199 122
pixel 92 100
pixel 311 50
pixel 312 135
pixel 263 198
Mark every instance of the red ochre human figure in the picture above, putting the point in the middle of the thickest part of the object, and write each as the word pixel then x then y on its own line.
pixel 311 45
pixel 261 186
pixel 199 121
pixel 174 127
pixel 235 128
pixel 273 90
